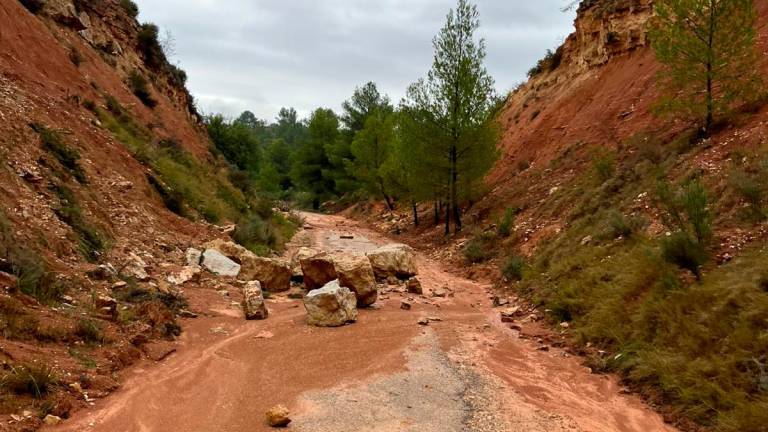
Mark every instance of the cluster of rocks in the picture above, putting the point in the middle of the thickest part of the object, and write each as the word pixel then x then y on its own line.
pixel 337 284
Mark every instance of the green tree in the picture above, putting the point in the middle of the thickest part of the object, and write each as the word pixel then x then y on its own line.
pixel 310 162
pixel 451 113
pixel 372 148
pixel 364 101
pixel 236 141
pixel 709 55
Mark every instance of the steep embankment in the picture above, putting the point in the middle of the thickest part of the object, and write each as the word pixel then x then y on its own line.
pixel 104 166
pixel 582 161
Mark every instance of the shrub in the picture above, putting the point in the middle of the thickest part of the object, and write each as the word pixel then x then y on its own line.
pixel 34 279
pixel 35 380
pixel 478 249
pixel 604 166
pixel 255 234
pixel 89 331
pixel 507 223
pixel 14 321
pixel 620 225
pixel 752 187
pixel 149 45
pixel 91 241
pixel 130 8
pixel 685 213
pixel 33 6
pixel 513 268
pixel 68 157
pixel 173 200
pixel 550 62
pixel 140 87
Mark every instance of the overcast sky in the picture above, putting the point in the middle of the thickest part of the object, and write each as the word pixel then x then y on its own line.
pixel 261 55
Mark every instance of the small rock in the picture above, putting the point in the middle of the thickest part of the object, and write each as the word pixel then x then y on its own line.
pixel 278 416
pixel 414 286
pixel 565 325
pixel 52 420
pixel 187 314
pixel 439 292
pixel 265 334
pixel 189 273
pixel 424 322
pixel 119 285
pixel 500 301
pixel 104 301
pixel 543 348
pixel 509 315
pixel 253 302
pixel 405 306
pixel 516 327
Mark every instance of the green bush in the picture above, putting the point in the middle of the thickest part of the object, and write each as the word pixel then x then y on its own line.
pixel 550 62
pixel 34 279
pixel 513 268
pixel 89 331
pixel 479 248
pixel 604 166
pixel 68 157
pixel 149 45
pixel 91 241
pixel 685 212
pixel 507 223
pixel 35 380
pixel 619 225
pixel 752 186
pixel 140 87
pixel 256 234
pixel 130 8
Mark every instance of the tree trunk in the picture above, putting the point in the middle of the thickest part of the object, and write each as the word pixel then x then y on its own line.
pixel 387 198
pixel 454 189
pixel 710 62
pixel 415 213
pixel 447 220
pixel 437 213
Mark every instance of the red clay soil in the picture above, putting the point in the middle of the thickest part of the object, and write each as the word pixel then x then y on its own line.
pixel 227 372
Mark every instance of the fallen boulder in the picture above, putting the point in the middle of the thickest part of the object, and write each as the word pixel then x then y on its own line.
pixel 135 268
pixel 302 254
pixel 274 275
pixel 253 302
pixel 227 248
pixel 318 270
pixel 393 260
pixel 194 256
pixel 219 264
pixel 186 274
pixel 356 273
pixel 331 306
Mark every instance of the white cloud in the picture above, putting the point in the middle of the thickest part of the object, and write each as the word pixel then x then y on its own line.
pixel 265 54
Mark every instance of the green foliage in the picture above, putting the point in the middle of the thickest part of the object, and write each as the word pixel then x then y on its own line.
pixel 621 226
pixel 479 248
pixel 751 183
pixel 256 235
pixel 34 279
pixel 237 141
pixel 449 117
pixel 549 63
pixel 372 149
pixel 507 223
pixel 604 165
pixel 140 87
pixel 184 184
pixel 708 49
pixel 69 158
pixel 89 331
pixel 130 8
pixel 32 379
pixel 513 267
pixel 91 241
pixel 310 162
pixel 685 213
pixel 149 46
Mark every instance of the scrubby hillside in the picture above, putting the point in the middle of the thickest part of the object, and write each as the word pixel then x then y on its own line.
pixel 587 210
pixel 106 178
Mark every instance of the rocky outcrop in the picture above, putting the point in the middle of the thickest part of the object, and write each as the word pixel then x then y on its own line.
pixel 393 260
pixel 135 268
pixel 253 302
pixel 274 275
pixel 318 270
pixel 356 273
pixel 331 306
pixel 217 263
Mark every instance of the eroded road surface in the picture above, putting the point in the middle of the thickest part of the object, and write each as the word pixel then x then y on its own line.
pixel 465 371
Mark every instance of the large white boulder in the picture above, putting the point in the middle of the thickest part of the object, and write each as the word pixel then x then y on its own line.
pixel 356 273
pixel 331 306
pixel 253 302
pixel 219 264
pixel 396 260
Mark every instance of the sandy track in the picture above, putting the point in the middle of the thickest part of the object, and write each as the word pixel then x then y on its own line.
pixel 384 373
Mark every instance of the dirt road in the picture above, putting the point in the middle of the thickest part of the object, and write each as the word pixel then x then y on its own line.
pixel 465 372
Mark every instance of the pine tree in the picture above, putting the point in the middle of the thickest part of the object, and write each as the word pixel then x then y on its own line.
pixel 449 115
pixel 709 55
pixel 372 148
pixel 310 162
